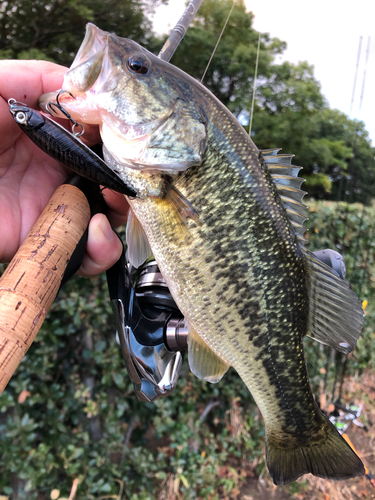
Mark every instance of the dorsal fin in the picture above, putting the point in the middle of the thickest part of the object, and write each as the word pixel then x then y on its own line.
pixel 285 177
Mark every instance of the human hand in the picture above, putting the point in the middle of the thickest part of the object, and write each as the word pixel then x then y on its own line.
pixel 29 177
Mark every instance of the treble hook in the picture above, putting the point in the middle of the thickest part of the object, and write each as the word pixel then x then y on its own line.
pixel 57 104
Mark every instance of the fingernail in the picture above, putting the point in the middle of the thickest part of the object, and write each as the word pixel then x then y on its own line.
pixel 106 229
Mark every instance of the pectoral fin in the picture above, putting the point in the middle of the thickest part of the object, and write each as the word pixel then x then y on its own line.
pixel 335 313
pixel 203 362
pixel 182 205
pixel 139 249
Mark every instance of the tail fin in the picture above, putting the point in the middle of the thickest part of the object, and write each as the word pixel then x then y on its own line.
pixel 331 458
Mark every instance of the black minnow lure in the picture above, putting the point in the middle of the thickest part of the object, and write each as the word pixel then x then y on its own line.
pixel 63 146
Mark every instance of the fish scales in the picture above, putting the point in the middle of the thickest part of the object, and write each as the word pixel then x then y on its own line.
pixel 211 212
pixel 272 326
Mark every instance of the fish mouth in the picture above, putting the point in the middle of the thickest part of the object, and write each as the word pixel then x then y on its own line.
pixel 126 142
pixel 89 95
pixel 91 74
pixel 84 71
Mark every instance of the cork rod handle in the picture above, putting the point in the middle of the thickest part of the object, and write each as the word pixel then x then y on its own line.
pixel 30 283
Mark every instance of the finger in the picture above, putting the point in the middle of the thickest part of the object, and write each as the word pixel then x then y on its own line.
pixel 103 247
pixel 25 81
pixel 118 205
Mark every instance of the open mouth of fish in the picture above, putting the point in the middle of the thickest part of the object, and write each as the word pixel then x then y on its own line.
pixel 111 83
pixel 87 82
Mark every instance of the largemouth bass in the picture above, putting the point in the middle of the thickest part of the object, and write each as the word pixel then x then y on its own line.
pixel 224 223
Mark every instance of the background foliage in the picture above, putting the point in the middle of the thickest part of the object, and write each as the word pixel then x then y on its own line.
pixel 70 412
pixel 53 29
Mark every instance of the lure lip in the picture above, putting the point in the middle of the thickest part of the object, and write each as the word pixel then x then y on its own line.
pixel 32 120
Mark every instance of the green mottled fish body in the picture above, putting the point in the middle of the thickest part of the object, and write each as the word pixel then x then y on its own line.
pixel 218 225
pixel 238 270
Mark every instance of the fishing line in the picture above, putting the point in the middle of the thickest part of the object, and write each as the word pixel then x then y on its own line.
pixel 350 177
pixel 360 227
pixel 218 41
pixel 349 189
pixel 348 180
pixel 254 86
pixel 356 248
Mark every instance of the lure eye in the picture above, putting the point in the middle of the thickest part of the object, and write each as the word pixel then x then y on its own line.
pixel 21 117
pixel 138 65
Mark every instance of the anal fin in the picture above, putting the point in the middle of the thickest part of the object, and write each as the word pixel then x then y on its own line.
pixel 203 362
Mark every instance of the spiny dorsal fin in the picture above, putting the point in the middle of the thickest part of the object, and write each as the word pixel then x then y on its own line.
pixel 270 152
pixel 285 177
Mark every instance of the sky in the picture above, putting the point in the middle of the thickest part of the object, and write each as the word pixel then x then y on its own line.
pixel 326 34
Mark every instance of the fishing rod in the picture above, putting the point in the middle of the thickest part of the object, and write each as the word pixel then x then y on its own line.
pixel 33 278
pixel 179 30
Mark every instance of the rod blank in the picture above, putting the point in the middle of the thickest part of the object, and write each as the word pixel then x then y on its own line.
pixel 179 30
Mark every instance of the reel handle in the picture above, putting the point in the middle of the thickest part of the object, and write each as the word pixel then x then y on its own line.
pixel 32 280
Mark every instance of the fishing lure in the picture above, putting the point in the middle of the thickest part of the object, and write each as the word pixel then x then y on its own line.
pixel 65 147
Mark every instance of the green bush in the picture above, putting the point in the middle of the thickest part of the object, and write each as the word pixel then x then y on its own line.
pixel 81 419
pixel 349 229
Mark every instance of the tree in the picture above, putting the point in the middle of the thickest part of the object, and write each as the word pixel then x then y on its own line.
pixel 290 112
pixel 231 72
pixel 334 151
pixel 289 105
pixel 54 29
pixel 286 102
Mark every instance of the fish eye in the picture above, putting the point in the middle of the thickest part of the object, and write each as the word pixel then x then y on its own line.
pixel 21 117
pixel 138 64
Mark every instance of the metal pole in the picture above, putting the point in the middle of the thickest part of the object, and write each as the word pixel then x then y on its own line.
pixel 179 30
pixel 356 72
pixel 364 73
